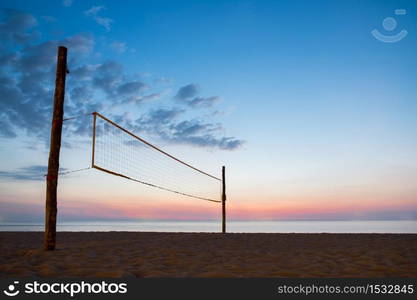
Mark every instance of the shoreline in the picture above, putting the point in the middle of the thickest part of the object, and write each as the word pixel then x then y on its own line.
pixel 191 254
pixel 341 226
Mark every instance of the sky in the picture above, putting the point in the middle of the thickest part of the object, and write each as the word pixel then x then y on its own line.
pixel 310 105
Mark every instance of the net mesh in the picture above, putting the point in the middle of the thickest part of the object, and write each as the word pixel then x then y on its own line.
pixel 119 152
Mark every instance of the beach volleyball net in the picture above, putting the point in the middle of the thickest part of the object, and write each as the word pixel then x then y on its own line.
pixel 119 152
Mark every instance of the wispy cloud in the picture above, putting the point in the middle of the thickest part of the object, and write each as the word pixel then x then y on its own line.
pixel 188 91
pixel 94 10
pixel 93 13
pixel 166 123
pixel 35 172
pixel 189 95
pixel 163 80
pixel 26 76
pixel 118 47
pixel 49 19
pixel 105 22
pixel 67 3
pixel 153 96
pixel 18 27
pixel 26 86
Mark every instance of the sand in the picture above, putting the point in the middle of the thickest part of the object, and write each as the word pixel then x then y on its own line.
pixel 152 254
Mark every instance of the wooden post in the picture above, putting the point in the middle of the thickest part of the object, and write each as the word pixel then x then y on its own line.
pixel 223 199
pixel 55 146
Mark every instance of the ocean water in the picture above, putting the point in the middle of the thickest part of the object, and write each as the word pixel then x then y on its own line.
pixel 232 226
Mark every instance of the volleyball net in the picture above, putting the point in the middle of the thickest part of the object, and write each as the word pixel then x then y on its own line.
pixel 119 152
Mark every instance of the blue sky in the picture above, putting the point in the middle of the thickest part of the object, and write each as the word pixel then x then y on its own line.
pixel 297 98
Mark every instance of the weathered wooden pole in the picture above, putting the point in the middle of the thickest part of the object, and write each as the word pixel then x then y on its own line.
pixel 223 199
pixel 55 146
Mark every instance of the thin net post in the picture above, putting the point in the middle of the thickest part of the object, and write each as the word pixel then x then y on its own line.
pixel 119 152
pixel 94 139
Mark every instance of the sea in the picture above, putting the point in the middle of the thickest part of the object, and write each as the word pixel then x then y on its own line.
pixel 403 226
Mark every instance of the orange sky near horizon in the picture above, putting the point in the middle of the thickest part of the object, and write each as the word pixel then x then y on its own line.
pixel 89 203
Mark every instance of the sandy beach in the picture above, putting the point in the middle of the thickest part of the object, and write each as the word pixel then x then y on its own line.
pixel 152 254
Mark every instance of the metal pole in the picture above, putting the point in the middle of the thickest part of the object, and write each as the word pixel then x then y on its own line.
pixel 223 199
pixel 94 139
pixel 55 147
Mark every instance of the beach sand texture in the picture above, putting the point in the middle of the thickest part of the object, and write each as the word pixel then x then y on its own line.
pixel 158 254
